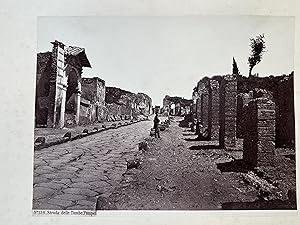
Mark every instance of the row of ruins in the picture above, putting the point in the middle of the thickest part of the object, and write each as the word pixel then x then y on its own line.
pixel 259 110
pixel 64 98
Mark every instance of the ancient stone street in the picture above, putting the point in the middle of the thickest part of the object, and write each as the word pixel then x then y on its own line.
pixel 181 173
pixel 72 175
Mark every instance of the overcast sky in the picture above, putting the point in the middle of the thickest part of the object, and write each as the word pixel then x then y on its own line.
pixel 169 55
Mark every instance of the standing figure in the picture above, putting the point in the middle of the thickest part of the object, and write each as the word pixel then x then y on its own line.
pixel 156 127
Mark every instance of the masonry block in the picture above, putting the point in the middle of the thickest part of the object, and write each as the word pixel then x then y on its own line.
pixel 259 137
pixel 214 112
pixel 228 111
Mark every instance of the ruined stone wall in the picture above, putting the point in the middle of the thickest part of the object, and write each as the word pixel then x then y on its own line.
pixel 120 103
pixel 203 92
pixel 281 88
pixel 259 138
pixel 93 90
pixel 144 104
pixel 228 111
pixel 214 106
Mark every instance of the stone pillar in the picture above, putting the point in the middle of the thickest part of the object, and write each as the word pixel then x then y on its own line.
pixel 205 109
pixel 58 87
pixel 214 113
pixel 228 105
pixel 259 138
pixel 198 114
pixel 77 102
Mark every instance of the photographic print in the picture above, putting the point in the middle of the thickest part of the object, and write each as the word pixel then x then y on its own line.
pixel 164 113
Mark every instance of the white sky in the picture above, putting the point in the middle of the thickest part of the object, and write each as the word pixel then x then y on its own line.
pixel 169 55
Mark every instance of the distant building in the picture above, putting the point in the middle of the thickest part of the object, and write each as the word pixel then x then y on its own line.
pixel 176 106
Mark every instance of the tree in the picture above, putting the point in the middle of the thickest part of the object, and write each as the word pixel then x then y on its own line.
pixel 235 69
pixel 258 46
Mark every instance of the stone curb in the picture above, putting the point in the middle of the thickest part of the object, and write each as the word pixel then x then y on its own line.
pixel 82 135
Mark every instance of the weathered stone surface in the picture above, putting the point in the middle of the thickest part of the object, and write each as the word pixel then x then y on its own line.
pixel 228 111
pixel 259 142
pixel 215 108
pixel 80 185
pixel 71 197
pixel 52 185
pixel 80 191
pixel 61 202
pixel 91 166
pixel 42 192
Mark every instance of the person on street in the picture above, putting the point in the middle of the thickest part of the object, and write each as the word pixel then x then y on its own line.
pixel 156 127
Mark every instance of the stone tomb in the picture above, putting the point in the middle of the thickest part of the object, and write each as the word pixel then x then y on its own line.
pixel 214 99
pixel 259 138
pixel 228 111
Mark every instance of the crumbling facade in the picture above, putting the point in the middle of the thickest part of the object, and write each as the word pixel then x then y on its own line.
pixel 58 85
pixel 65 98
pixel 122 104
pixel 93 92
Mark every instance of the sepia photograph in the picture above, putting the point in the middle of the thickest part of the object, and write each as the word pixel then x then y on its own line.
pixel 164 113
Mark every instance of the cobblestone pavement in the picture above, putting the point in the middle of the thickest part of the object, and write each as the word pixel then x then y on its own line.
pixel 74 174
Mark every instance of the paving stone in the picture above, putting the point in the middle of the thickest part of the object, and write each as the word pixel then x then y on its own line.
pixel 80 185
pixel 52 185
pixel 49 175
pixel 42 192
pixel 70 168
pixel 91 204
pixel 86 163
pixel 42 171
pixel 79 207
pixel 64 175
pixel 72 197
pixel 43 167
pixel 39 179
pixel 62 181
pixel 84 179
pixel 45 206
pixel 100 183
pixel 61 202
pixel 80 191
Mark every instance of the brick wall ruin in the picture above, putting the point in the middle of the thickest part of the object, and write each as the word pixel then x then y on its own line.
pixel 214 112
pixel 232 107
pixel 259 140
pixel 228 111
pixel 281 88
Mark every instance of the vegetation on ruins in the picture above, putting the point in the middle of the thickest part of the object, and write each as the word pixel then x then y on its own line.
pixel 258 46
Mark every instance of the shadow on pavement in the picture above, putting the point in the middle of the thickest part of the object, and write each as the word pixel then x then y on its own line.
pixel 238 165
pixel 196 139
pixel 201 147
pixel 260 204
